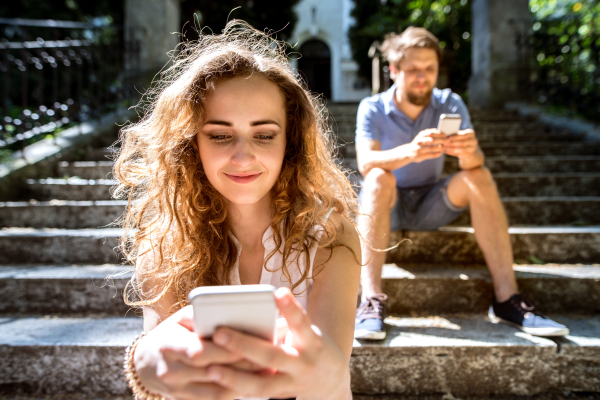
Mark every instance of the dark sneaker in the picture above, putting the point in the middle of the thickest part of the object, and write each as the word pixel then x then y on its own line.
pixel 519 311
pixel 369 318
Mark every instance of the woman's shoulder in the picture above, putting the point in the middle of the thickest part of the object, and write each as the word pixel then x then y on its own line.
pixel 341 233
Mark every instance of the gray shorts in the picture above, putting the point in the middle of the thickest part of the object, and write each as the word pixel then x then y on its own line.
pixel 423 208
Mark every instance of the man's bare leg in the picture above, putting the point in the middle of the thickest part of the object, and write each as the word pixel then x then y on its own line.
pixel 477 189
pixel 378 198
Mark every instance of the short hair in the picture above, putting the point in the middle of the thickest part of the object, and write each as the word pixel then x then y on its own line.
pixel 395 45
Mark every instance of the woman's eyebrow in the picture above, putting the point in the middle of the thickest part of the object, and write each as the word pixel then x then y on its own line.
pixel 217 122
pixel 265 122
pixel 254 123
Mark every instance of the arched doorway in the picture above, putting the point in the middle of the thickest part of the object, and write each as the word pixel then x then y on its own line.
pixel 315 64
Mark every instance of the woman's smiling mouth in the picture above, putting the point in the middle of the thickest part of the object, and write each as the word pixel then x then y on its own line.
pixel 244 177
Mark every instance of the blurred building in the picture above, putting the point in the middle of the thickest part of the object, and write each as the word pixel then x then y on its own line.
pixel 320 36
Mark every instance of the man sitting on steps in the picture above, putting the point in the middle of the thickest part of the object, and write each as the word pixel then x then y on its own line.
pixel 400 155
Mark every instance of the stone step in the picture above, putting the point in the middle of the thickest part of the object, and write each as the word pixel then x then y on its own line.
pixel 100 154
pixel 539 149
pixel 61 355
pixel 469 356
pixel 52 289
pixel 348 137
pixel 64 214
pixel 529 124
pixel 498 115
pixel 530 185
pixel 347 123
pixel 449 245
pixel 546 211
pixel 86 169
pixel 434 289
pixel 457 245
pixel 70 189
pixel 548 164
pixel 580 184
pixel 59 246
pixel 411 289
pixel 516 149
pixel 459 354
pixel 61 214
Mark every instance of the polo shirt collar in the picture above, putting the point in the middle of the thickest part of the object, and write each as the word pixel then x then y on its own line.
pixel 390 106
pixel 388 100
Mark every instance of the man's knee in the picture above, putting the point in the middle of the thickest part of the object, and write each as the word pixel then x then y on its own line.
pixel 378 180
pixel 480 177
pixel 380 185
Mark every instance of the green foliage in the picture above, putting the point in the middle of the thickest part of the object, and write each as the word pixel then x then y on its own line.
pixel 449 20
pixel 566 51
pixel 273 15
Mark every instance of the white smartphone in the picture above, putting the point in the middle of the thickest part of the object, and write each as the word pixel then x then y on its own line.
pixel 247 308
pixel 449 124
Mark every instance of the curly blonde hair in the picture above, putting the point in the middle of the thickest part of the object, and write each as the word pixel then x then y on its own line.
pixel 176 214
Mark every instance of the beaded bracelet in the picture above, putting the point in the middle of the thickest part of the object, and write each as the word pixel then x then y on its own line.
pixel 133 380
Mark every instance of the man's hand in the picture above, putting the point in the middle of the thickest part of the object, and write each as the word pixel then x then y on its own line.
pixel 428 144
pixel 462 145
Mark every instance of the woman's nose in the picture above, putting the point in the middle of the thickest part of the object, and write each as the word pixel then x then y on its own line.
pixel 243 155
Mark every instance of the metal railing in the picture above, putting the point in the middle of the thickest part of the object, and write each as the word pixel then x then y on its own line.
pixel 560 63
pixel 57 73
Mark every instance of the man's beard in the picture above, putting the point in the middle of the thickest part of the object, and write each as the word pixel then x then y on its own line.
pixel 419 100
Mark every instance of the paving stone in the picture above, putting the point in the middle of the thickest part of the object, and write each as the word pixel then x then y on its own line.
pixel 456 245
pixel 86 169
pixel 546 211
pixel 61 214
pixel 70 189
pixel 468 355
pixel 51 289
pixel 437 289
pixel 59 246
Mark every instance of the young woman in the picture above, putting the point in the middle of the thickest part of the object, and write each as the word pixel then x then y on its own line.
pixel 231 180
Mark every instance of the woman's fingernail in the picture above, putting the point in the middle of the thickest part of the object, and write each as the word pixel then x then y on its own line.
pixel 285 300
pixel 214 374
pixel 221 337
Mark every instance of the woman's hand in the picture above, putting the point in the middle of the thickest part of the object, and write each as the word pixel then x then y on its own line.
pixel 172 360
pixel 309 364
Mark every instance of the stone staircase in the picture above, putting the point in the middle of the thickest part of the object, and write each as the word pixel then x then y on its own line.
pixel 63 325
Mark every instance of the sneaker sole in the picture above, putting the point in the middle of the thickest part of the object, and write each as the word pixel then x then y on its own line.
pixel 368 335
pixel 531 331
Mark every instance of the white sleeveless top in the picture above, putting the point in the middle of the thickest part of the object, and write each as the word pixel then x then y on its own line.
pixel 271 273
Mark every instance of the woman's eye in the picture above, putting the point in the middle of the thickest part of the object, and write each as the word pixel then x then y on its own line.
pixel 219 138
pixel 265 138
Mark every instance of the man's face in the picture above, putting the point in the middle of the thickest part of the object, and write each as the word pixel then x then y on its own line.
pixel 417 75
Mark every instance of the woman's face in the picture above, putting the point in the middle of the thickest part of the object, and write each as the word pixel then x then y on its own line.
pixel 242 139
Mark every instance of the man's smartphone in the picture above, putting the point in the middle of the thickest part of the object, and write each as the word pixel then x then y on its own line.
pixel 449 124
pixel 247 308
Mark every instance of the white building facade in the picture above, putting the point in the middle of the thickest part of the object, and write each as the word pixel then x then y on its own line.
pixel 321 36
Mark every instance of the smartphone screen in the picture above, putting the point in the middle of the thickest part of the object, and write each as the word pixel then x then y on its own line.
pixel 246 308
pixel 449 124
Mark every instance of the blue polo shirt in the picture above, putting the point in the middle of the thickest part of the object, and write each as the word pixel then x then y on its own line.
pixel 379 119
